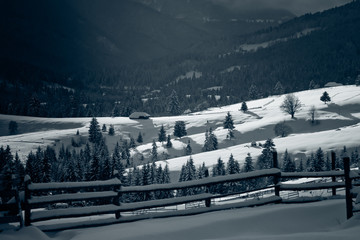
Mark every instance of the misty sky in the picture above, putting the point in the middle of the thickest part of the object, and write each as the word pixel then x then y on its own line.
pixel 297 7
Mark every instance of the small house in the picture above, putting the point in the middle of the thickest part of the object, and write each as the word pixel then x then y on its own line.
pixel 139 115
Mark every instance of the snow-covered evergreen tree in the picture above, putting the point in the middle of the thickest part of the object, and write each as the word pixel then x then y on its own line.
pixel 188 149
pixel 139 138
pixel 232 166
pixel 174 104
pixel 168 142
pixel 219 168
pixel 154 153
pixel 288 163
pixel 244 107
pixel 180 129
pixel 162 134
pixel 94 131
pixel 278 89
pixel 265 160
pixel 319 161
pixel 248 165
pixel 228 122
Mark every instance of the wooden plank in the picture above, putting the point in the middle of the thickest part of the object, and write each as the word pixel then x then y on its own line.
pixel 53 186
pixel 312 174
pixel 69 197
pixel 202 182
pixel 127 207
pixel 311 186
pixel 73 212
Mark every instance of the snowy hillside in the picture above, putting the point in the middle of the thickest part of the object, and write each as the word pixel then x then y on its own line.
pixel 339 125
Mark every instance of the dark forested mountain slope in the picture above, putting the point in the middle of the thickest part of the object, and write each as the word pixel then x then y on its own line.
pixel 127 55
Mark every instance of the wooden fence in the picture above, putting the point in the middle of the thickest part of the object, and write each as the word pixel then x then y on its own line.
pixel 105 196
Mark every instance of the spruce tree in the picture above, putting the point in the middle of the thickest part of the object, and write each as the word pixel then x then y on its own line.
pixel 319 161
pixel 188 149
pixel 111 130
pixel 248 165
pixel 139 138
pixel 104 129
pixel 244 107
pixel 154 153
pixel 94 131
pixel 253 92
pixel 232 166
pixel 19 170
pixel 288 164
pixel 301 166
pixel 278 89
pixel 168 142
pixel 173 104
pixel 265 160
pixel 132 143
pixel 162 134
pixel 219 168
pixel 180 129
pixel 228 122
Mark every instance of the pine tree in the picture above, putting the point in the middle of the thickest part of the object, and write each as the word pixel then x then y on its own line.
pixel 278 89
pixel 188 149
pixel 325 97
pixel 228 122
pixel 46 168
pixel 139 138
pixel 180 129
pixel 319 161
pixel 13 127
pixel 253 92
pixel 203 172
pixel 132 143
pixel 265 160
pixel 94 131
pixel 104 129
pixel 19 170
pixel 168 142
pixel 154 153
pixel 248 165
pixel 173 104
pixel 301 166
pixel 219 168
pixel 232 166
pixel 111 130
pixel 190 173
pixel 145 174
pixel 288 164
pixel 153 169
pixel 162 134
pixel 355 157
pixel 244 107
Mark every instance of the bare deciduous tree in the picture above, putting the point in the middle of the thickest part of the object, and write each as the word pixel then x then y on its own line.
pixel 312 114
pixel 291 104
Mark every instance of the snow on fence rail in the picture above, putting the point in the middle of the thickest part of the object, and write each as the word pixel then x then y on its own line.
pixel 106 195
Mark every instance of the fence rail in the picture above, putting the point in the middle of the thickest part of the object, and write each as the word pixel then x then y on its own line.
pixel 105 196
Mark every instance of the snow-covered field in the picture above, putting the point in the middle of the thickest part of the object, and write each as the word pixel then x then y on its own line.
pixel 339 125
pixel 319 220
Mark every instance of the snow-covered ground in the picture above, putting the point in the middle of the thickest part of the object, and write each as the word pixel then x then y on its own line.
pixel 318 220
pixel 339 125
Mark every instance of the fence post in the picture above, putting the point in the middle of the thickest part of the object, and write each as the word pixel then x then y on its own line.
pixel 27 208
pixel 116 200
pixel 276 177
pixel 208 200
pixel 349 212
pixel 333 179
